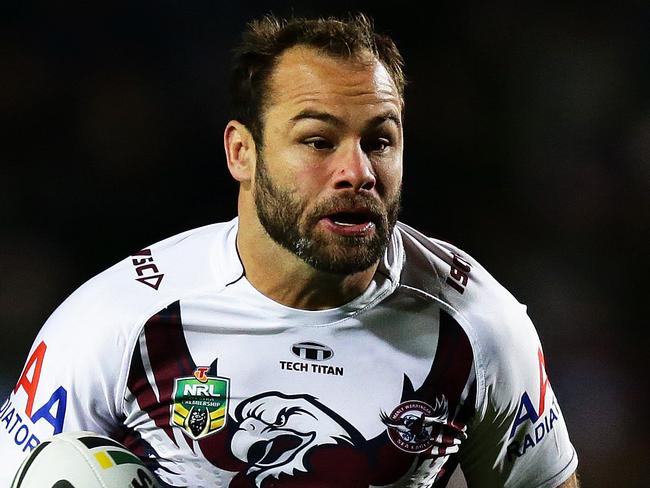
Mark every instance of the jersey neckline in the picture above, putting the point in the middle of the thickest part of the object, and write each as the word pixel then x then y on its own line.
pixel 229 268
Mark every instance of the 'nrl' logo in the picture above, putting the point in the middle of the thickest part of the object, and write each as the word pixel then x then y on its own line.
pixel 200 403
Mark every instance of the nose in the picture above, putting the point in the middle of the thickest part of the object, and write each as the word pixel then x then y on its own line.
pixel 354 170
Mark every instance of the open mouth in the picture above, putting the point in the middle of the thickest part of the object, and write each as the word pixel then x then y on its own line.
pixel 350 219
pixel 267 453
pixel 351 222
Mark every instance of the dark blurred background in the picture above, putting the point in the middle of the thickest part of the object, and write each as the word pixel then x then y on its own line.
pixel 527 144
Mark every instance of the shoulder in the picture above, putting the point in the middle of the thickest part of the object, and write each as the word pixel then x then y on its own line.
pixel 150 278
pixel 104 316
pixel 496 323
pixel 457 280
pixel 517 425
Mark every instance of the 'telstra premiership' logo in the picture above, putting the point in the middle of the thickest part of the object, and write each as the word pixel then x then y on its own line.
pixel 200 403
pixel 414 425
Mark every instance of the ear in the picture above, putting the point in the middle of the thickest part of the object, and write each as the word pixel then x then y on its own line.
pixel 240 151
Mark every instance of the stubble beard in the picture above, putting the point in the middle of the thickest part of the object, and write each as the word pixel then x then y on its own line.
pixel 284 219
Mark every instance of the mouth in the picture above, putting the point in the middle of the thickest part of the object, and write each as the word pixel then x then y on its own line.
pixel 276 451
pixel 267 453
pixel 351 222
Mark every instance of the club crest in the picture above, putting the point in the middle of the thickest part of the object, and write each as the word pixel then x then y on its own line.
pixel 200 404
pixel 414 425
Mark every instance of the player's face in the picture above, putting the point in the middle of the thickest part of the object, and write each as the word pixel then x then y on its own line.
pixel 328 177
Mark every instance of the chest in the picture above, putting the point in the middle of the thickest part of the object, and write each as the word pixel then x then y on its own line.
pixel 249 402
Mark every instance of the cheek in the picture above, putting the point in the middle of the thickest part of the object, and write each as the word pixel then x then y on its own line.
pixel 391 179
pixel 293 165
pixel 309 180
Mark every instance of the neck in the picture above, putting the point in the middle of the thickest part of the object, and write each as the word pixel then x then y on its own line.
pixel 283 277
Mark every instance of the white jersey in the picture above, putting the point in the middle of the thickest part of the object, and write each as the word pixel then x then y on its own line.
pixel 211 383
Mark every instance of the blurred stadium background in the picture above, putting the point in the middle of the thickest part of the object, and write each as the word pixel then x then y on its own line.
pixel 527 144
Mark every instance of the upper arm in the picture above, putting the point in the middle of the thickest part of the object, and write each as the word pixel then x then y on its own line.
pixel 518 436
pixel 69 382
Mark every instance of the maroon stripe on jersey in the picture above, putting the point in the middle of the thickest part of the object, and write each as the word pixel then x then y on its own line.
pixel 449 375
pixel 217 449
pixel 133 442
pixel 147 454
pixel 445 473
pixel 169 358
pixel 169 355
pixel 451 366
pixel 139 386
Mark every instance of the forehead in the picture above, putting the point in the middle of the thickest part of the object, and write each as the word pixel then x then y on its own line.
pixel 305 77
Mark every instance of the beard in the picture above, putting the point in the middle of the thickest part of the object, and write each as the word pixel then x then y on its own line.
pixel 286 221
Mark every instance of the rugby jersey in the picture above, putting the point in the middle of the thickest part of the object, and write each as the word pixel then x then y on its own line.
pixel 175 354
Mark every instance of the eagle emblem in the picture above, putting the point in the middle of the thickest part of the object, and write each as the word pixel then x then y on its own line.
pixel 414 426
pixel 277 431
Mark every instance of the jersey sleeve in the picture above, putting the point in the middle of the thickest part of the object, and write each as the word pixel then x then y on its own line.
pixel 71 380
pixel 518 437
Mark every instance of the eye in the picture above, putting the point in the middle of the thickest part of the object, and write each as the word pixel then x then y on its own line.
pixel 378 145
pixel 281 420
pixel 319 143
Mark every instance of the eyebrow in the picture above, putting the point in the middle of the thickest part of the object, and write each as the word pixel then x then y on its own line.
pixel 332 119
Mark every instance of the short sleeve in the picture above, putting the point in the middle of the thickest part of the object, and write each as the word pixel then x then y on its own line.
pixel 518 437
pixel 70 380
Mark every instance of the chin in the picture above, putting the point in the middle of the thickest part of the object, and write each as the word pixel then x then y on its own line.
pixel 348 266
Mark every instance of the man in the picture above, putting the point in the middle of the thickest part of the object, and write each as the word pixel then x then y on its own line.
pixel 314 341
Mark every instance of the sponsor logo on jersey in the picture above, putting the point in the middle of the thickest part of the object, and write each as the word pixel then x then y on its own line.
pixel 537 422
pixel 311 368
pixel 414 425
pixel 313 351
pixel 147 271
pixel 200 403
pixel 459 274
pixel 21 427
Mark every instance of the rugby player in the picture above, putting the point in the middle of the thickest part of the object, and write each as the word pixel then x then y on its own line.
pixel 314 340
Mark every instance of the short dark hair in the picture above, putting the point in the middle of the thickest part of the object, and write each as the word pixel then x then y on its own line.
pixel 265 39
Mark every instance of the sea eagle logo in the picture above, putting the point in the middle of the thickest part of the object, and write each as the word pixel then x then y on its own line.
pixel 414 425
pixel 276 431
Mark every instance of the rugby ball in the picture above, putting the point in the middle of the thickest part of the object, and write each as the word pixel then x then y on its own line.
pixel 82 460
